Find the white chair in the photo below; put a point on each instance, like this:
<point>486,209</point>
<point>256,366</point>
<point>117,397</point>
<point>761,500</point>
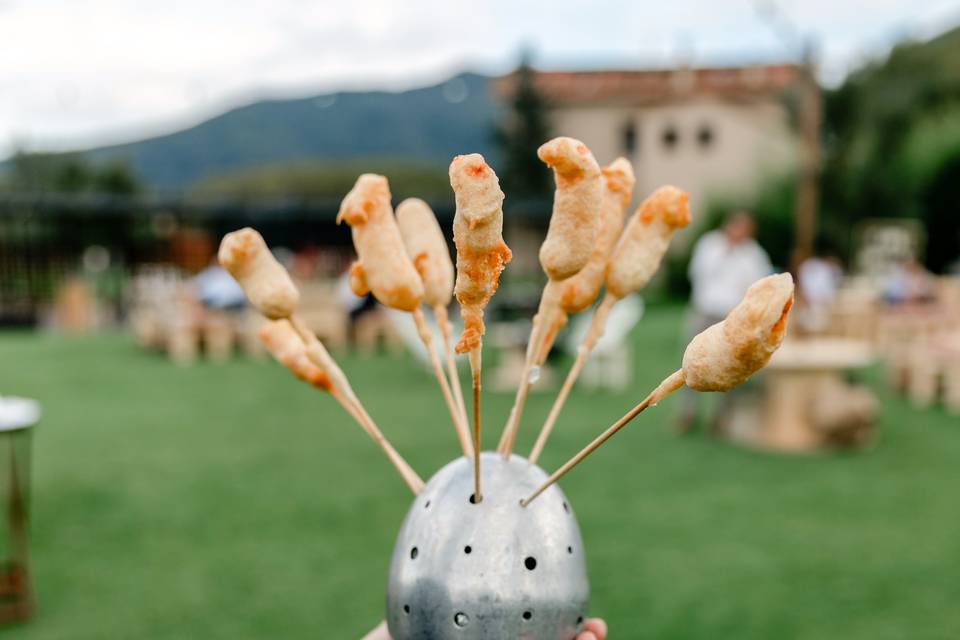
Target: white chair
<point>610,364</point>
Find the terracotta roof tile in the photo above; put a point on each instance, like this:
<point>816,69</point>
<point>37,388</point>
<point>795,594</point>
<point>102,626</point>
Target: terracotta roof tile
<point>642,86</point>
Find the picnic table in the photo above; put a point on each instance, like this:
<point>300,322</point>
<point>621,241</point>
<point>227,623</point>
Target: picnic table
<point>807,403</point>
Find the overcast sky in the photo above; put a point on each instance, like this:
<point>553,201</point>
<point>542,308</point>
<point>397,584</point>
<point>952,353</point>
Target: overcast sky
<point>81,72</point>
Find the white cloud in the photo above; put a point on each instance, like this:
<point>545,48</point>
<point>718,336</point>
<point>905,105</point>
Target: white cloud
<point>74,72</point>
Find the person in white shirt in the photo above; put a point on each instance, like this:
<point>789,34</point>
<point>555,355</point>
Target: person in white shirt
<point>724,264</point>
<point>818,280</point>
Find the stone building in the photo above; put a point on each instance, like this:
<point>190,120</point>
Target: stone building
<point>711,131</point>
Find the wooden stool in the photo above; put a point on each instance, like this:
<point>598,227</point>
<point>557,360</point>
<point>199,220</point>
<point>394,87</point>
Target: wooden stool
<point>808,404</point>
<point>218,335</point>
<point>951,387</point>
<point>923,378</point>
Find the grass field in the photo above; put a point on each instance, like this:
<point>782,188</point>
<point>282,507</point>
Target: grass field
<point>230,502</point>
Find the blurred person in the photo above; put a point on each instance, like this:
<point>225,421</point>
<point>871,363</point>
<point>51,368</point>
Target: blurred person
<point>361,310</point>
<point>909,282</point>
<point>724,264</point>
<point>354,304</point>
<point>216,289</point>
<point>303,263</point>
<point>818,279</point>
<point>593,629</point>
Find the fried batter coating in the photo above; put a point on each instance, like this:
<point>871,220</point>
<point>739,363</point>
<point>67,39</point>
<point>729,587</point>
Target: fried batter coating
<point>267,284</point>
<point>575,220</point>
<point>382,266</point>
<point>283,343</point>
<point>718,359</point>
<point>645,240</point>
<point>576,293</point>
<point>477,233</point>
<point>580,290</point>
<point>726,354</point>
<point>428,250</point>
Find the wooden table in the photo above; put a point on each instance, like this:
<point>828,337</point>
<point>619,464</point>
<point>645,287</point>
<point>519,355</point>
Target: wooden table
<point>807,402</point>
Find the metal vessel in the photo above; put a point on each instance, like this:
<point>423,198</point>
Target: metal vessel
<point>463,569</point>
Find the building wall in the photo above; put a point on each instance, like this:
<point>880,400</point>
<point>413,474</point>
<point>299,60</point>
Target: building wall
<point>718,147</point>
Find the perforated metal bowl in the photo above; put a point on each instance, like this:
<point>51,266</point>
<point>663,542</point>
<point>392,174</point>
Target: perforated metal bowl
<point>462,570</point>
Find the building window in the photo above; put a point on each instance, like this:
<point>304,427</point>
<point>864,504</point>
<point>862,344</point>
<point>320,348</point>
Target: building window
<point>705,136</point>
<point>670,137</point>
<point>629,138</point>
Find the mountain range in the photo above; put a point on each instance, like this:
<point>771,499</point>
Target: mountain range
<point>427,126</point>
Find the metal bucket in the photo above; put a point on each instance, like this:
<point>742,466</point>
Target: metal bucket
<point>18,416</point>
<point>463,570</point>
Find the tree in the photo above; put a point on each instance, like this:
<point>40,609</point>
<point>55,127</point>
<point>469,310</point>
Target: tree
<point>941,202</point>
<point>116,178</point>
<point>524,129</point>
<point>69,173</point>
<point>892,142</point>
<point>317,179</point>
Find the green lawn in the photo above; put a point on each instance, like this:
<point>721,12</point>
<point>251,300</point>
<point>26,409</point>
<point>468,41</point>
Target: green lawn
<point>231,502</point>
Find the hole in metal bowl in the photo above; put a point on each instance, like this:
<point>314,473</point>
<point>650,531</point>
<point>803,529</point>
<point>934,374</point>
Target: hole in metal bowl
<point>527,615</point>
<point>467,549</point>
<point>414,553</point>
<point>427,505</point>
<point>530,563</point>
<point>473,498</point>
<point>566,507</point>
<point>406,609</point>
<point>461,619</point>
<point>579,621</point>
<point>570,550</point>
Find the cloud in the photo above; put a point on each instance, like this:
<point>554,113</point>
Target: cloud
<point>74,72</point>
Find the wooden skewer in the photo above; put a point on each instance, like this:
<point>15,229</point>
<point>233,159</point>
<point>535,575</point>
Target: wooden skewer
<point>366,423</point>
<point>547,427</point>
<point>319,355</point>
<point>440,312</point>
<point>460,425</point>
<point>406,472</point>
<point>344,394</point>
<point>665,388</point>
<point>509,434</point>
<point>505,446</point>
<point>349,407</point>
<point>597,325</point>
<point>548,335</point>
<point>475,375</point>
